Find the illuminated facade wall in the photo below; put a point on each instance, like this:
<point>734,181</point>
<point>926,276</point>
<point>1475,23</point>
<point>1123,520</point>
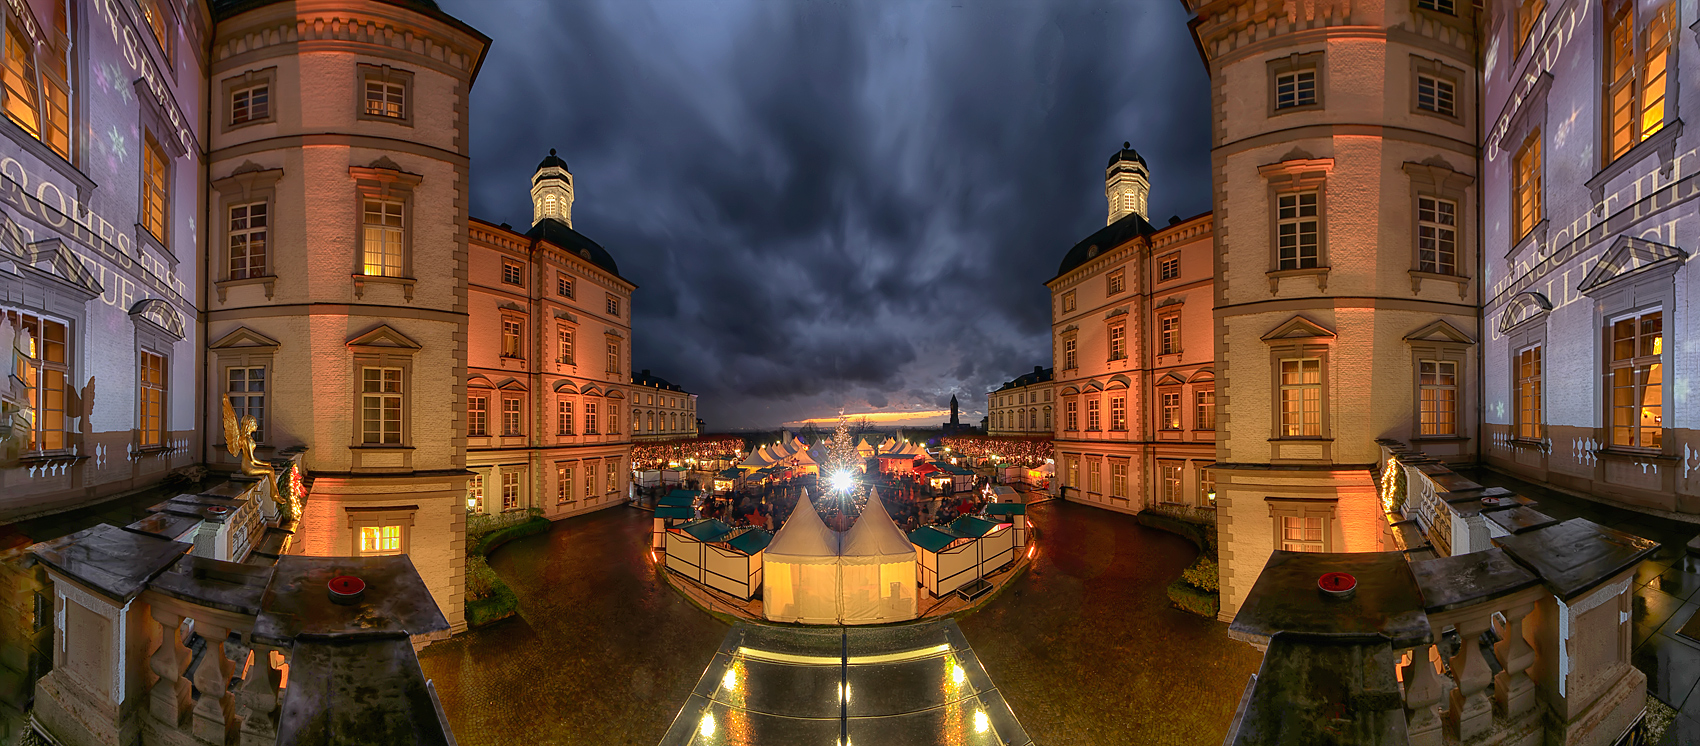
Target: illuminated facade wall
<point>1023,406</point>
<point>1343,137</point>
<point>1588,242</point>
<point>1130,334</point>
<point>568,448</point>
<point>101,161</point>
<point>337,281</point>
<point>661,410</point>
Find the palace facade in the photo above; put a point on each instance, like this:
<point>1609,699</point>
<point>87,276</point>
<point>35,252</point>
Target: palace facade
<point>547,387</point>
<point>662,410</point>
<point>1022,406</point>
<point>1134,382</point>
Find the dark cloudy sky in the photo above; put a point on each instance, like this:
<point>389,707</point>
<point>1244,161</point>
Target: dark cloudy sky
<point>836,204</point>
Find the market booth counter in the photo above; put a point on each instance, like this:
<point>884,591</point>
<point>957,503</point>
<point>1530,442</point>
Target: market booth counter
<point>668,516</point>
<point>966,550</point>
<point>714,554</point>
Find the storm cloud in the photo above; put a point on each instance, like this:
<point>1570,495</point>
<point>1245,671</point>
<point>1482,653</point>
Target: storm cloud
<point>832,204</point>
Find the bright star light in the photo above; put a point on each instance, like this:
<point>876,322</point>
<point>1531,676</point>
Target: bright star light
<point>842,481</point>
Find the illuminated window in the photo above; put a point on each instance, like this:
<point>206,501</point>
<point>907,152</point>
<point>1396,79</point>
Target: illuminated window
<point>551,206</point>
<point>1118,413</point>
<point>386,99</point>
<point>613,472</point>
<point>1204,415</point>
<point>510,489</point>
<point>1437,95</point>
<point>1092,414</point>
<point>1092,483</point>
<point>1301,397</point>
<point>589,479</point>
<point>478,416</point>
<point>563,484</point>
<point>1070,420</point>
<point>151,417</point>
<point>511,416</point>
<point>1169,334</point>
<point>1301,533</point>
<point>1636,71</point>
<point>1118,477</point>
<point>1169,405</point>
<point>1117,281</point>
<point>475,493</point>
<point>1526,186</point>
<point>154,15</point>
<point>613,306</point>
<point>1529,408</point>
<point>384,235</point>
<point>1068,301</point>
<point>248,229</point>
<point>247,389</point>
<point>1206,489</point>
<point>377,541</point>
<point>1169,267</point>
<point>380,406</point>
<point>153,186</point>
<point>613,362</point>
<point>34,70</point>
<point>1169,481</point>
<point>1298,230</point>
<point>1528,11</point>
<point>513,337</point>
<point>564,417</point>
<point>513,273</point>
<point>590,418</point>
<point>43,368</point>
<point>1636,371</point>
<point>250,104</point>
<point>1073,473</point>
<point>1118,342</point>
<point>564,340</point>
<point>1437,385</point>
<point>1068,354</point>
<point>1437,235</point>
<point>1439,6</point>
<point>1293,89</point>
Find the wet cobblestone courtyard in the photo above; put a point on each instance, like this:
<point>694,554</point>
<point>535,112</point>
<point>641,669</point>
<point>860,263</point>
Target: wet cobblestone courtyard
<point>1085,646</point>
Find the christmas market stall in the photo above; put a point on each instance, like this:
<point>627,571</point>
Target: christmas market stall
<point>800,582</point>
<point>877,569</point>
<point>713,554</point>
<point>960,553</point>
<point>668,516</point>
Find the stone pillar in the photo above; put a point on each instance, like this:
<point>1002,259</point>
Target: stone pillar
<point>1423,691</point>
<point>1472,708</point>
<point>215,711</point>
<point>1512,687</point>
<point>259,698</point>
<point>169,699</point>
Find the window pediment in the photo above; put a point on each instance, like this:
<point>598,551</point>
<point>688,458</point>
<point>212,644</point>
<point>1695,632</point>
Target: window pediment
<point>51,257</point>
<point>479,381</point>
<point>1440,331</point>
<point>244,338</point>
<point>566,316</point>
<point>160,314</point>
<point>1069,391</point>
<point>1299,328</point>
<point>385,338</point>
<point>1630,257</point>
<point>1203,375</point>
<point>1170,379</point>
<point>1121,311</point>
<point>1119,381</point>
<point>1525,307</point>
<point>1092,387</point>
<point>510,384</point>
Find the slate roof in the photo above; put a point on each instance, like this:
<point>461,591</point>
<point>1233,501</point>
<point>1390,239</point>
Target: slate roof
<point>573,242</point>
<point>1127,153</point>
<point>551,160</point>
<point>1027,379</point>
<point>655,382</point>
<point>1126,228</point>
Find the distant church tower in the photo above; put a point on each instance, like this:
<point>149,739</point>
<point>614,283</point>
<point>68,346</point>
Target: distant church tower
<point>552,191</point>
<point>953,421</point>
<point>1127,183</point>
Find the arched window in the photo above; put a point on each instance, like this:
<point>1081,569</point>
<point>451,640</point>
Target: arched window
<point>551,206</point>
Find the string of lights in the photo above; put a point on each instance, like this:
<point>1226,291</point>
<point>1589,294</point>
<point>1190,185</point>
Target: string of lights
<point>656,455</point>
<point>1029,452</point>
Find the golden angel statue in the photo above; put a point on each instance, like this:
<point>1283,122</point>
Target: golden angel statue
<point>239,440</point>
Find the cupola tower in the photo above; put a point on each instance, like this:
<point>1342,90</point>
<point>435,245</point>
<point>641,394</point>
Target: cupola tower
<point>1127,183</point>
<point>552,191</point>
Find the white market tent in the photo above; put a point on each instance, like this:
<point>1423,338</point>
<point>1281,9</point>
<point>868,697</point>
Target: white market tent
<point>813,575</point>
<point>878,575</point>
<point>801,569</point>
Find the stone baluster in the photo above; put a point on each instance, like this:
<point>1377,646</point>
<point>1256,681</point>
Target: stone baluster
<point>259,698</point>
<point>1423,692</point>
<point>215,711</point>
<point>1512,687</point>
<point>1471,708</point>
<point>169,698</point>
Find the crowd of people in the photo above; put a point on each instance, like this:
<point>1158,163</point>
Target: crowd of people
<point>702,450</point>
<point>1029,452</point>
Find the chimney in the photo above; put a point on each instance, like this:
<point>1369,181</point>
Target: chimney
<point>1038,369</point>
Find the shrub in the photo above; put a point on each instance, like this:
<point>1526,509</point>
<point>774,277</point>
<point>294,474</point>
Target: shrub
<point>481,581</point>
<point>1202,575</point>
<point>500,605</point>
<point>1190,599</point>
<point>487,542</point>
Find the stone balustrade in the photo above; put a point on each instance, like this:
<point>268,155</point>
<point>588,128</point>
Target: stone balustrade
<point>1522,642</point>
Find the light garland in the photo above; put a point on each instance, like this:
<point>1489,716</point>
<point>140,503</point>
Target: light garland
<point>1028,452</point>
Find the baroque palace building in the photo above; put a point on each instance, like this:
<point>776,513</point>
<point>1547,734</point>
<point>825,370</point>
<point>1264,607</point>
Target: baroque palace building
<point>547,390</point>
<point>1134,382</point>
<point>662,412</point>
<point>263,199</point>
<point>1022,406</point>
